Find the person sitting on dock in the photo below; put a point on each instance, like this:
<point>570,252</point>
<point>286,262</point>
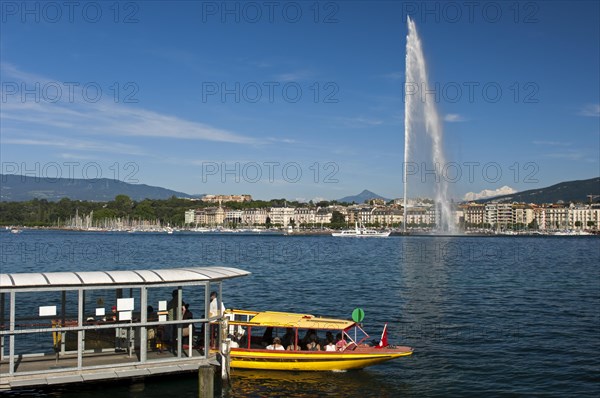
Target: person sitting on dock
<point>151,330</point>
<point>276,345</point>
<point>187,314</point>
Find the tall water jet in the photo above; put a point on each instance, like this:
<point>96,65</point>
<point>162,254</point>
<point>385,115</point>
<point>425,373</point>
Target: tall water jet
<point>421,110</point>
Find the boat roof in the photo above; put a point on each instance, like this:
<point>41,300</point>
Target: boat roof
<point>122,277</point>
<point>302,321</point>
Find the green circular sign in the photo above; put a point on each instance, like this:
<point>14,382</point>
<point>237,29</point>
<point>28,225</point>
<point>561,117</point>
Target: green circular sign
<point>358,315</point>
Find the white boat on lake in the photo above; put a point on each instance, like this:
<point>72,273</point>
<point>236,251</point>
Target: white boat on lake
<point>361,232</point>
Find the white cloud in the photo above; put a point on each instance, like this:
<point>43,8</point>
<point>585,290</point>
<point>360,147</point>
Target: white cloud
<point>76,144</point>
<point>294,76</point>
<point>454,117</point>
<point>397,75</point>
<point>592,110</point>
<point>359,122</point>
<point>570,155</point>
<point>489,193</point>
<point>552,143</point>
<point>102,118</point>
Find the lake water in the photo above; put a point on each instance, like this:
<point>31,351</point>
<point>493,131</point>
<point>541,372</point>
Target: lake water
<point>485,315</point>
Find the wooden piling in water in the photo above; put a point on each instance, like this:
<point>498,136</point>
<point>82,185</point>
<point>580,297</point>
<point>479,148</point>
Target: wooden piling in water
<point>206,379</point>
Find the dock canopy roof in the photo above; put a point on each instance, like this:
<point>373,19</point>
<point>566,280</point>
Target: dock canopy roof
<point>124,277</point>
<point>302,321</point>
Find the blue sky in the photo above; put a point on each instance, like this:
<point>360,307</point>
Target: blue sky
<point>300,100</point>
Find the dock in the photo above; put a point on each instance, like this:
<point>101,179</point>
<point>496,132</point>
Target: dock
<point>101,326</point>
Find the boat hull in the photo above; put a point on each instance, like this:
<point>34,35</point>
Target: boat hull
<point>314,361</point>
<point>376,235</point>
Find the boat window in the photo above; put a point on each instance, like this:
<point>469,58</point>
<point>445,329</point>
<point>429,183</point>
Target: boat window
<point>261,336</point>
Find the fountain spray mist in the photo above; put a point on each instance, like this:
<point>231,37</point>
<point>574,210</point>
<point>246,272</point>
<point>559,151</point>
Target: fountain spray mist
<point>419,110</point>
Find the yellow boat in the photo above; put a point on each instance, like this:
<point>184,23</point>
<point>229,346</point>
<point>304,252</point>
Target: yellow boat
<point>252,332</point>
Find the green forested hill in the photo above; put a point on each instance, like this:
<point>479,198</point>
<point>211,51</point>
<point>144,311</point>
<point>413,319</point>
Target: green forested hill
<point>568,191</point>
<point>17,188</point>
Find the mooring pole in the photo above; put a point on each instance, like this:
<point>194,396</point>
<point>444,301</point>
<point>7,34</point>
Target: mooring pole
<point>225,350</point>
<point>206,381</point>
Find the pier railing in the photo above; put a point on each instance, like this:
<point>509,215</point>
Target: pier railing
<point>74,334</point>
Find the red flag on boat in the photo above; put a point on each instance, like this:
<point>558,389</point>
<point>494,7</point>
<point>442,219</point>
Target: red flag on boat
<point>383,342</point>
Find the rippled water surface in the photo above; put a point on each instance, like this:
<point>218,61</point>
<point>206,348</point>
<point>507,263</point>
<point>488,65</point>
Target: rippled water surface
<point>486,316</point>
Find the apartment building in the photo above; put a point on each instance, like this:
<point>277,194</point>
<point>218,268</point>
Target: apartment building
<point>282,215</point>
<point>226,198</point>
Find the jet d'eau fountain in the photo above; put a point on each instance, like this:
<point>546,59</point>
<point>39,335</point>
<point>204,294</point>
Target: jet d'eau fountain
<point>421,120</point>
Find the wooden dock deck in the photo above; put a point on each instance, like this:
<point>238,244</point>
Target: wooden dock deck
<point>49,372</point>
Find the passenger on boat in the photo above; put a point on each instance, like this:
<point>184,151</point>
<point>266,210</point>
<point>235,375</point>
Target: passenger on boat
<point>330,345</point>
<point>233,343</point>
<point>276,345</point>
<point>306,339</point>
<point>288,338</point>
<point>340,343</point>
<point>313,345</point>
<point>267,337</point>
<point>242,339</point>
<point>293,347</point>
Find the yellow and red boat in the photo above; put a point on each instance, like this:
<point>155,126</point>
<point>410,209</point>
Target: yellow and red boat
<point>251,332</point>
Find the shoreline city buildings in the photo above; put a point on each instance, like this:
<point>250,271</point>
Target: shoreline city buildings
<point>421,213</point>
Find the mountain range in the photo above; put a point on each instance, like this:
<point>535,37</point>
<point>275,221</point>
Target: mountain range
<point>568,191</point>
<point>17,188</point>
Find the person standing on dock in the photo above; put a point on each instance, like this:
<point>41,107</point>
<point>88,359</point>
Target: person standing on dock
<point>214,305</point>
<point>214,311</point>
<point>172,311</point>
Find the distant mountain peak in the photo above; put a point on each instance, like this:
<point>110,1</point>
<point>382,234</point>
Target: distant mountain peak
<point>361,197</point>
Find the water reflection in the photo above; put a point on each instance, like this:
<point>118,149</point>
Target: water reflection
<point>365,383</point>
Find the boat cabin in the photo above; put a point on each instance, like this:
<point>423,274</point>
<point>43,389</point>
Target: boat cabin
<point>256,330</point>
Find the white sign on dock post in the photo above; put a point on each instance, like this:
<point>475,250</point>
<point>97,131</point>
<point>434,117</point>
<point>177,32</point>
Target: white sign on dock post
<point>125,315</point>
<point>125,304</point>
<point>162,311</point>
<point>48,310</point>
